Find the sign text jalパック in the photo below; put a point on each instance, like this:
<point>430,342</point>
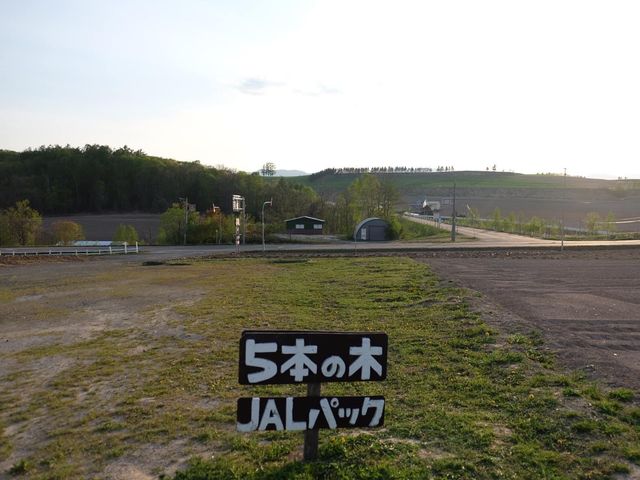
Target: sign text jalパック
<point>276,357</point>
<point>309,413</point>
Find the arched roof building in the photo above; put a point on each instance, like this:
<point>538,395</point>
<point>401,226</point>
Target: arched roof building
<point>372,229</point>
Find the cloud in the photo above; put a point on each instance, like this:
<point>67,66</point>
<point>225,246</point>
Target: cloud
<point>319,90</point>
<point>257,86</point>
<point>260,86</point>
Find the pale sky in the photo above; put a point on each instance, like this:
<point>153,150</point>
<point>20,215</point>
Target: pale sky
<point>531,86</point>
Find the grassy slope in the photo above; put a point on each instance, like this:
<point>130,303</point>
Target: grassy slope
<point>331,184</point>
<point>462,400</point>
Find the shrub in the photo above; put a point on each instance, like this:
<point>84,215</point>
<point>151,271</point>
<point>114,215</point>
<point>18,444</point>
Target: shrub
<point>126,233</point>
<point>66,231</point>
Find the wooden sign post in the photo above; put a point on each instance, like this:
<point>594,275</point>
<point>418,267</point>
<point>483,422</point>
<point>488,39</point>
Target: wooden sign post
<point>294,357</point>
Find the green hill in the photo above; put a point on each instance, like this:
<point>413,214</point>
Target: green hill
<point>330,184</point>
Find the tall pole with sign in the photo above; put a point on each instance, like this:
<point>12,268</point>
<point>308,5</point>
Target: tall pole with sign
<point>238,209</point>
<point>303,357</point>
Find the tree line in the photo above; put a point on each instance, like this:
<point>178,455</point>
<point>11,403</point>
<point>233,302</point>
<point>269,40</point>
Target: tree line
<point>95,178</point>
<point>378,170</point>
<point>535,226</point>
<point>21,225</point>
<point>366,197</point>
<point>61,180</point>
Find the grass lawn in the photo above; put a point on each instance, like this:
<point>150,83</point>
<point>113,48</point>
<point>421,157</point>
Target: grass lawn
<point>414,231</point>
<point>463,401</point>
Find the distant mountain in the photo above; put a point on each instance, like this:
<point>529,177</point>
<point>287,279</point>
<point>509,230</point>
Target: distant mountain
<point>290,173</point>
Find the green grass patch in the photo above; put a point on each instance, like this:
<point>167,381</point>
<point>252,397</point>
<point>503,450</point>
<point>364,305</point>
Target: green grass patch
<point>7,295</point>
<point>418,231</point>
<point>621,394</point>
<point>5,446</point>
<point>459,403</point>
<point>420,182</point>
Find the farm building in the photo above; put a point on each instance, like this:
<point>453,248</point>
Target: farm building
<point>305,226</point>
<point>371,230</point>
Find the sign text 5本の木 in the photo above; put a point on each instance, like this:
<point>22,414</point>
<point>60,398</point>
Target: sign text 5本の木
<point>270,357</point>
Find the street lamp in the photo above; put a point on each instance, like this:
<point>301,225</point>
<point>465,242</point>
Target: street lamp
<point>270,202</point>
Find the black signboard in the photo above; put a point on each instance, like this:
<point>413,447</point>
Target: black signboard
<point>277,357</point>
<point>309,413</point>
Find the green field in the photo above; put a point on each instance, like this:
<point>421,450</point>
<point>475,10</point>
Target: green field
<point>331,184</point>
<point>463,401</point>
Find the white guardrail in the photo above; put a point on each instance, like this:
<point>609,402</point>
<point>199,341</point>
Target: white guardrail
<point>77,250</point>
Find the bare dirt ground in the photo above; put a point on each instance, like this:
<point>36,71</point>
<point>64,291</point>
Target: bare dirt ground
<point>586,304</point>
<point>47,308</point>
<point>575,211</point>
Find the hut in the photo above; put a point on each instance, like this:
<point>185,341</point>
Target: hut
<point>371,230</point>
<point>305,226</point>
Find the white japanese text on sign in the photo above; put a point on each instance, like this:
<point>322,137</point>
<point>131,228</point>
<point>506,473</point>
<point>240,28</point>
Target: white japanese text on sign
<point>302,357</point>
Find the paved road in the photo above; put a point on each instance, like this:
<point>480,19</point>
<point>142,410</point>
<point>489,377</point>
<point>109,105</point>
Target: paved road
<point>469,238</point>
<point>488,238</point>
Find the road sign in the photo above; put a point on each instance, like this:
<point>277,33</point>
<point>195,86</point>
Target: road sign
<point>237,203</point>
<point>274,356</point>
<point>278,357</point>
<point>309,413</point>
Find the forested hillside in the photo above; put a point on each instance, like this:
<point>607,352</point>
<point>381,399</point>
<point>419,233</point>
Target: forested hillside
<point>62,180</point>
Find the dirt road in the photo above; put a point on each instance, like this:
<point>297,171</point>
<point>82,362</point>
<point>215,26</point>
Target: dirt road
<point>586,304</point>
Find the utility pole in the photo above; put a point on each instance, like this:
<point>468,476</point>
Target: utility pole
<point>186,219</point>
<point>564,192</point>
<point>453,215</point>
<point>244,221</point>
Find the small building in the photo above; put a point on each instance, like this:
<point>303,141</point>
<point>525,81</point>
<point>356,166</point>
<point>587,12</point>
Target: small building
<point>371,230</point>
<point>430,207</point>
<point>305,226</point>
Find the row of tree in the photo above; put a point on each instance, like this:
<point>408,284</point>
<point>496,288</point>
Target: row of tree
<point>366,197</point>
<point>378,170</point>
<point>536,226</point>
<point>21,225</point>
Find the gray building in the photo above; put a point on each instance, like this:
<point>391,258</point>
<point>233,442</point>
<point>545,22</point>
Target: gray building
<point>305,226</point>
<point>371,230</point>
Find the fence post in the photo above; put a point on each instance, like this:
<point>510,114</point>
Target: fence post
<point>110,250</point>
<point>125,248</point>
<point>137,249</point>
